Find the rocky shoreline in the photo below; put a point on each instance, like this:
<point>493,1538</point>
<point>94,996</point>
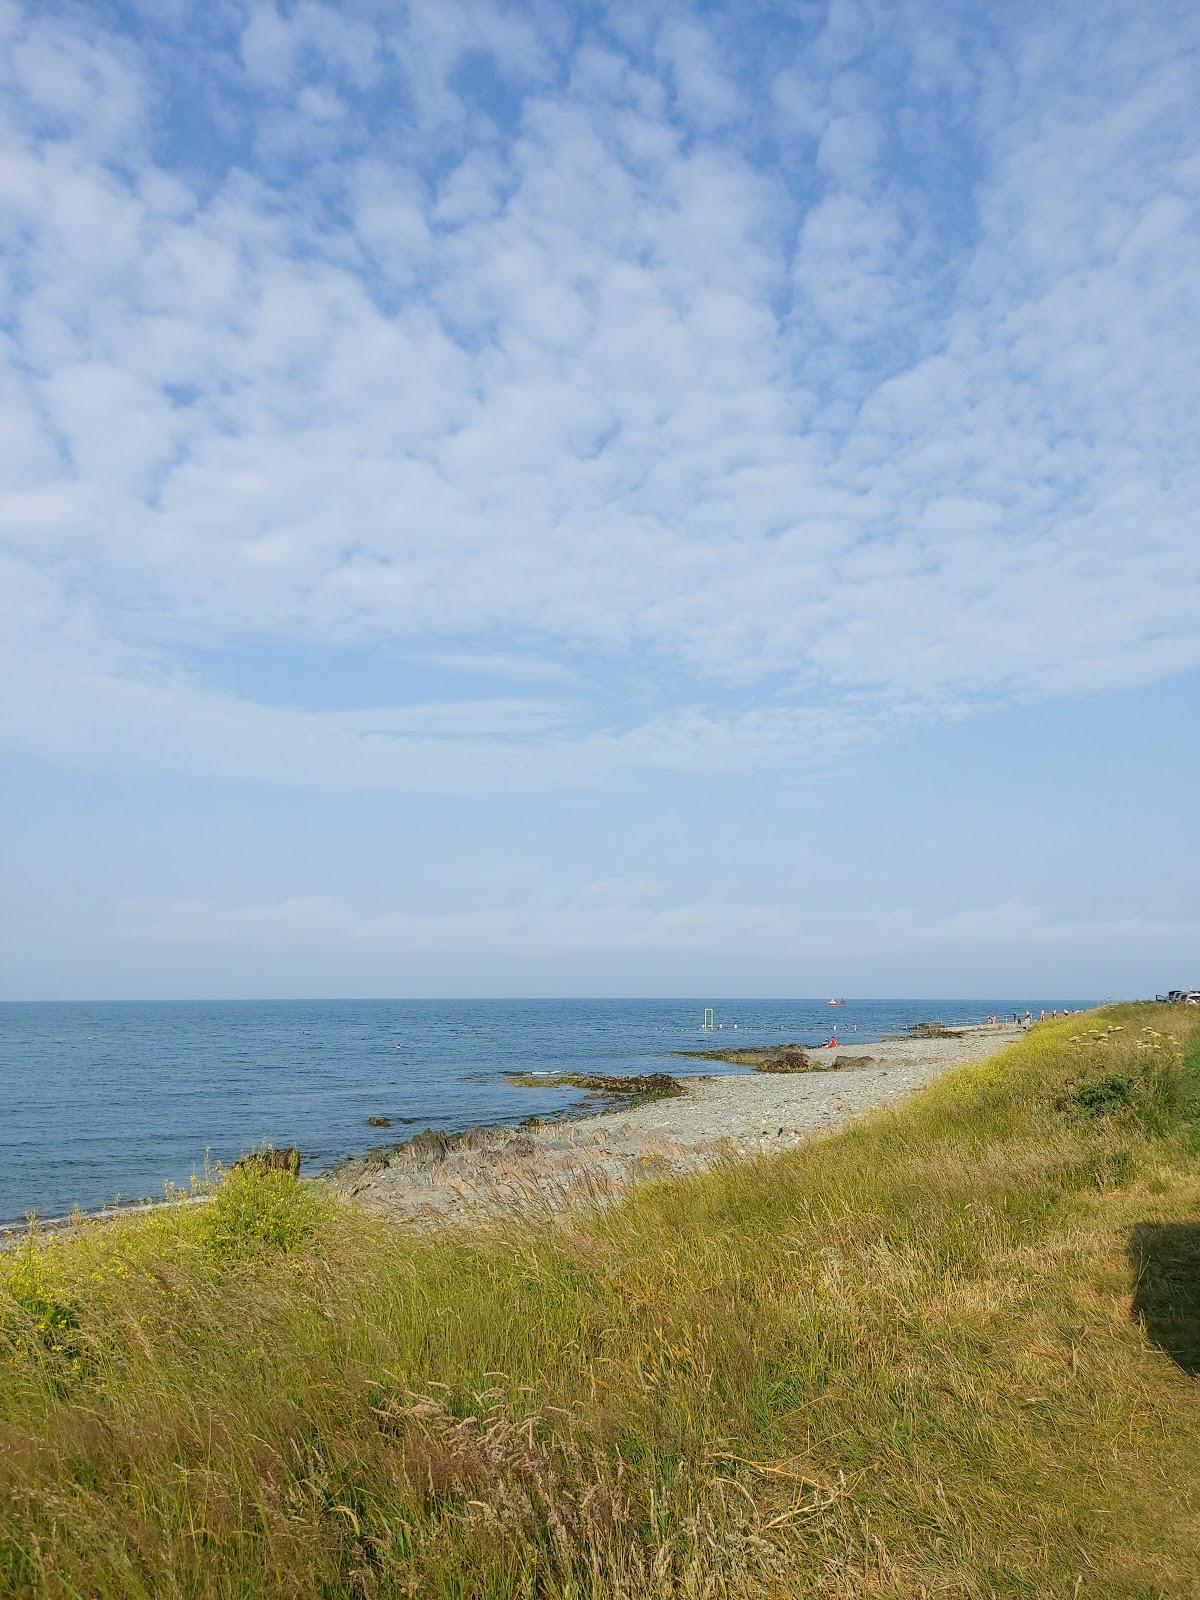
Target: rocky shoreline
<point>660,1127</point>
<point>550,1167</point>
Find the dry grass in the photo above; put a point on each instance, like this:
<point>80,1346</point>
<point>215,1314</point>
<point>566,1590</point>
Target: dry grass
<point>910,1359</point>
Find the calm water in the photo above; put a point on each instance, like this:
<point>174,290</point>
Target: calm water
<point>98,1100</point>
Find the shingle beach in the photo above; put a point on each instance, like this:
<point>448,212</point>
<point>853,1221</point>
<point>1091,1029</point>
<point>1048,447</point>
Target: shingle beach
<point>555,1165</point>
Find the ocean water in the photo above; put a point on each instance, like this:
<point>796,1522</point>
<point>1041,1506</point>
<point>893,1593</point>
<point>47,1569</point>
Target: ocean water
<point>117,1099</point>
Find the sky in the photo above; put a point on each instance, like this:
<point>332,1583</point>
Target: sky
<point>630,499</point>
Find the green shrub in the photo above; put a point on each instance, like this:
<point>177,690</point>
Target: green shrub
<point>1109,1094</point>
<point>39,1316</point>
<point>1155,1086</point>
<point>35,1303</point>
<point>254,1210</point>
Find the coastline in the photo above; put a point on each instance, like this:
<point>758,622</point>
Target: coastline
<point>105,1106</point>
<point>553,1166</point>
<point>584,1156</point>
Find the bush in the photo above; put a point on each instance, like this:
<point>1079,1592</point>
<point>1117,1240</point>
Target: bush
<point>1155,1086</point>
<point>255,1210</point>
<point>33,1304</point>
<point>1109,1094</point>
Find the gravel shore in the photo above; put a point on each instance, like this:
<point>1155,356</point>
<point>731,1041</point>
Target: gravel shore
<point>438,1178</point>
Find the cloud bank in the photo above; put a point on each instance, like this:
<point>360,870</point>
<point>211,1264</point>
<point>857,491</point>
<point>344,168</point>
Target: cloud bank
<point>633,938</point>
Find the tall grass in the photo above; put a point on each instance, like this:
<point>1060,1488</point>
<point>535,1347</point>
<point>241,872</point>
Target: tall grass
<point>900,1361</point>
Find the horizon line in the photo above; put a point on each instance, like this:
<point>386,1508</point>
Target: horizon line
<point>513,999</point>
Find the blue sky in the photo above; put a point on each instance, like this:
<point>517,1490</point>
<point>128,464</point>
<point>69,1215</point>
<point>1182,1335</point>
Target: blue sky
<point>630,499</point>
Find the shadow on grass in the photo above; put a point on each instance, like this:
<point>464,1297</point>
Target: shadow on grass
<point>1165,1258</point>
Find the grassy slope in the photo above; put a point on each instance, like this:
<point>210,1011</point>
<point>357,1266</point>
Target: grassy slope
<point>898,1362</point>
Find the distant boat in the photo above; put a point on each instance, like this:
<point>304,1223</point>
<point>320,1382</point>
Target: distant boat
<point>835,1002</point>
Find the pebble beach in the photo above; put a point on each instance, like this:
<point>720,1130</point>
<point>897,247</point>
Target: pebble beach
<point>554,1166</point>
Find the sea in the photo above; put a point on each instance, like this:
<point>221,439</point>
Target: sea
<point>107,1102</point>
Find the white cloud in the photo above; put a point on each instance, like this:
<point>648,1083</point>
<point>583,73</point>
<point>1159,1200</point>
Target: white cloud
<point>268,45</point>
<point>606,382</point>
<point>704,93</point>
<point>849,149</point>
<point>321,104</point>
<point>848,263</point>
<point>275,47</point>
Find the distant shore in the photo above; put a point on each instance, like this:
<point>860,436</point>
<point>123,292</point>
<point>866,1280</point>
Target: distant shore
<point>555,1165</point>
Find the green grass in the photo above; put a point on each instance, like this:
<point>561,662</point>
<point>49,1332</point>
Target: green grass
<point>948,1352</point>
